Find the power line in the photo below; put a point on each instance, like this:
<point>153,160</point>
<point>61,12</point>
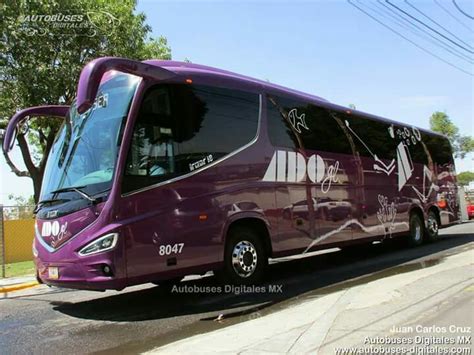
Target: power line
<point>461,11</point>
<point>442,44</point>
<point>409,40</point>
<point>392,15</point>
<point>435,22</point>
<point>454,17</point>
<point>427,26</point>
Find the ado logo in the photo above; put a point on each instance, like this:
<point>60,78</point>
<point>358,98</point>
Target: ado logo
<point>292,167</point>
<point>55,230</point>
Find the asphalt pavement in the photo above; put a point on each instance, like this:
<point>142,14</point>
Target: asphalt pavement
<point>145,318</point>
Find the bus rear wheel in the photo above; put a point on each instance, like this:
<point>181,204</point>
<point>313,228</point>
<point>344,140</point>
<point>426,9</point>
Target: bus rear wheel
<point>245,259</point>
<point>432,228</point>
<point>417,230</point>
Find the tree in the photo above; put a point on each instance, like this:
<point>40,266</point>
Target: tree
<point>43,47</point>
<point>441,123</point>
<point>22,208</point>
<point>465,178</point>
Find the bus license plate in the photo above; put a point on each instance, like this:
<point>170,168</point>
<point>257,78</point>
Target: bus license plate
<point>53,273</point>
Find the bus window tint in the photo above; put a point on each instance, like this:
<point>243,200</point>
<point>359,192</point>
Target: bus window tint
<point>296,124</point>
<point>182,128</point>
<point>279,129</point>
<point>371,138</point>
<point>439,148</point>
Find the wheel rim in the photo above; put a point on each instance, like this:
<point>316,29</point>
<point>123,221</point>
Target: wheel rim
<point>244,258</point>
<point>432,225</point>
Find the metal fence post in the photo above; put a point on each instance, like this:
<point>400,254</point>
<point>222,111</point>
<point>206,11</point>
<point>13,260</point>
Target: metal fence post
<point>2,242</point>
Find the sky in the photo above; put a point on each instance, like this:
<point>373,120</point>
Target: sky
<point>325,48</point>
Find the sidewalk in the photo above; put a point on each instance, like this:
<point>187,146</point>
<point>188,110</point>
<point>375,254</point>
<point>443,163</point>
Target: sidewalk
<point>11,284</point>
<point>348,318</point>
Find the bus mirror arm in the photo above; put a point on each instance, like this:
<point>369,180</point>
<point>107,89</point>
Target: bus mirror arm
<point>19,117</point>
<point>92,73</point>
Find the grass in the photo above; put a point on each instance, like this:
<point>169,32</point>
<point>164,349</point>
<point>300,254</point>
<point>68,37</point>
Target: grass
<point>21,268</point>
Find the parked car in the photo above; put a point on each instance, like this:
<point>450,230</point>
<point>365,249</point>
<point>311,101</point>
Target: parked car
<point>326,208</point>
<point>470,204</point>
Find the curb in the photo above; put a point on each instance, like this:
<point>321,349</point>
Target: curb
<point>17,287</point>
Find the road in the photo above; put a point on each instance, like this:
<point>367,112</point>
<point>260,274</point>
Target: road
<point>44,320</point>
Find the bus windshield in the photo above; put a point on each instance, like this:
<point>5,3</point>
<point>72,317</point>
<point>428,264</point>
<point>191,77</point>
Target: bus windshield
<point>85,151</point>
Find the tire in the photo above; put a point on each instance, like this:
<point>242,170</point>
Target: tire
<point>245,259</point>
<point>432,228</point>
<point>417,230</point>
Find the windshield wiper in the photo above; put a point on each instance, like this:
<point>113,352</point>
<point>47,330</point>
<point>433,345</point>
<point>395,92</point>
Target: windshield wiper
<point>43,202</point>
<point>77,190</point>
<point>70,189</point>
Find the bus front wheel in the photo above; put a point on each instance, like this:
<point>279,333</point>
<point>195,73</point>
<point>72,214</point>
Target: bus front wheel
<point>245,259</point>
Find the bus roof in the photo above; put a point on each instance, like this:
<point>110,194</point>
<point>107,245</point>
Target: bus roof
<point>186,68</point>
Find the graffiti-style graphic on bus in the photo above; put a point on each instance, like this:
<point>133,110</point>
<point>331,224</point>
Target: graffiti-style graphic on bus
<point>379,229</point>
<point>379,165</point>
<point>409,136</point>
<point>428,185</point>
<point>386,214</point>
<point>297,121</point>
<point>404,164</point>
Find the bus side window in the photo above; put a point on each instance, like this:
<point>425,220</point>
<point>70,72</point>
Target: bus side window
<point>371,138</point>
<point>439,149</point>
<point>152,137</point>
<point>181,129</point>
<point>326,132</point>
<point>298,124</point>
<point>280,132</point>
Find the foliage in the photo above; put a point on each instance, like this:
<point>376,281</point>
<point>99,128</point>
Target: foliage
<point>441,123</point>
<point>465,178</point>
<point>40,60</point>
<point>22,208</point>
<point>22,201</point>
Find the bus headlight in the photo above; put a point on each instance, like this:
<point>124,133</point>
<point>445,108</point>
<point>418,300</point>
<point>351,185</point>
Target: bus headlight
<point>100,245</point>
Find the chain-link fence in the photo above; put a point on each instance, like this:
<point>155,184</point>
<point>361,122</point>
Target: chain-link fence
<point>16,238</point>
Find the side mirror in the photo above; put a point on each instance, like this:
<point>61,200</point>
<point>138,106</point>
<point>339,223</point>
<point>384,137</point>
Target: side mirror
<point>24,127</point>
<point>20,119</point>
<point>15,133</point>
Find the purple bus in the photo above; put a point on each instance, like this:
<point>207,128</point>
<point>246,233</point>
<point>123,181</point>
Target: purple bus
<point>163,169</point>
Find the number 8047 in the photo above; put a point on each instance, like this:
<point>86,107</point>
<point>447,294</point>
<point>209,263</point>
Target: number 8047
<point>169,249</point>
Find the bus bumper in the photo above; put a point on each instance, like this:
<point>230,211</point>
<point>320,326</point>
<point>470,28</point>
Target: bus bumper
<point>96,275</point>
